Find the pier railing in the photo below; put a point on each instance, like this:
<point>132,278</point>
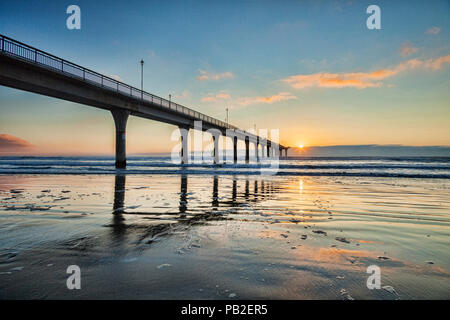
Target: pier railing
<point>42,58</point>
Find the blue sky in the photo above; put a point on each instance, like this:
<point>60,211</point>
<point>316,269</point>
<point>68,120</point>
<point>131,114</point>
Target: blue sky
<point>210,55</point>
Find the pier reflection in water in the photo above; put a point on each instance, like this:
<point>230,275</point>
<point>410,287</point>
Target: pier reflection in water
<point>221,203</point>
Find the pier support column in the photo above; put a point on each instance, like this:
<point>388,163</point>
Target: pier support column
<point>216,148</point>
<point>247,150</point>
<point>184,134</point>
<point>120,120</point>
<point>268,151</point>
<point>235,149</point>
<point>256,150</point>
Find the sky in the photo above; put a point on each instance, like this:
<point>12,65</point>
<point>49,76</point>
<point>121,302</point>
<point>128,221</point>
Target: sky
<point>311,69</point>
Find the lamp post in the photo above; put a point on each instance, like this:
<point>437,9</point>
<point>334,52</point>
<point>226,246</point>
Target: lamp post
<point>170,100</point>
<point>142,78</point>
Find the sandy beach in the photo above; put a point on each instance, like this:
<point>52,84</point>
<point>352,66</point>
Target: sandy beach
<point>223,237</point>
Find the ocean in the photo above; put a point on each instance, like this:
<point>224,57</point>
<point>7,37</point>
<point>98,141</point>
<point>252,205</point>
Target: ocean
<point>405,167</point>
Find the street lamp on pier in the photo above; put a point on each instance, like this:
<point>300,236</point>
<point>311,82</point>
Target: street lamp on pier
<point>142,78</point>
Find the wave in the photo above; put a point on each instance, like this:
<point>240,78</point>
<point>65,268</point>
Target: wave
<point>218,171</point>
<point>48,164</point>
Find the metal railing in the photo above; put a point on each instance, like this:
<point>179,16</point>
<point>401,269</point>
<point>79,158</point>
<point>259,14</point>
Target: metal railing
<point>31,54</point>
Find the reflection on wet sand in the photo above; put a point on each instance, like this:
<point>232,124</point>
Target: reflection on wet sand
<point>215,197</point>
<point>119,222</point>
<point>183,195</point>
<point>160,227</point>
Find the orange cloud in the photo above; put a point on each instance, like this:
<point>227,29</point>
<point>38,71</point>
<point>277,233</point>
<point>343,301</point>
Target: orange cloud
<point>436,64</point>
<point>10,144</point>
<point>282,96</point>
<point>245,101</point>
<point>205,75</point>
<point>407,49</point>
<point>361,80</point>
<point>217,97</point>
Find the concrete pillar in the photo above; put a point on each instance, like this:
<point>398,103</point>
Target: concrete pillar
<point>268,150</point>
<point>247,150</point>
<point>120,120</point>
<point>256,150</point>
<point>216,148</point>
<point>234,149</point>
<point>184,134</point>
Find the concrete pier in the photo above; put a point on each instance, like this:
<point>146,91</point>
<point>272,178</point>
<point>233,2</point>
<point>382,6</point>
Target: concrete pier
<point>216,148</point>
<point>120,120</point>
<point>26,68</point>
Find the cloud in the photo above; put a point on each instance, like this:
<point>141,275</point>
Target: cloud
<point>361,80</point>
<point>206,76</point>
<point>115,77</point>
<point>184,95</point>
<point>433,30</point>
<point>282,96</point>
<point>436,64</point>
<point>11,144</point>
<point>245,101</point>
<point>407,49</point>
<point>217,97</point>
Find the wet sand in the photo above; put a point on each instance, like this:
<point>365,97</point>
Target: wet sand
<point>223,237</point>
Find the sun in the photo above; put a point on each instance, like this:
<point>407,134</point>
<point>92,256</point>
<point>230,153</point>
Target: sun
<point>300,146</point>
